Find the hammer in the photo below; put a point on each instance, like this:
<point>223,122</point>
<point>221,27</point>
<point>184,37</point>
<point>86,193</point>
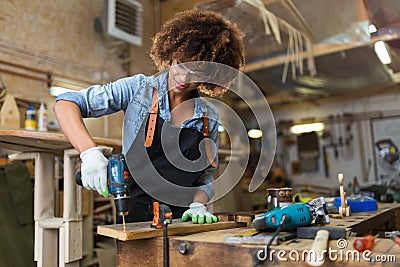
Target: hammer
<point>321,235</point>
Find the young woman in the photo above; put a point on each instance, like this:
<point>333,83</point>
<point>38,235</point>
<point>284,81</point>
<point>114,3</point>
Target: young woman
<point>167,104</point>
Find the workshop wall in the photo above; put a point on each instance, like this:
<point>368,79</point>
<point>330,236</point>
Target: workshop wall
<point>58,38</point>
<point>355,159</point>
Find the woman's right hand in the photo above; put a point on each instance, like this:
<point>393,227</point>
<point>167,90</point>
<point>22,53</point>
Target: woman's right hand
<point>94,170</point>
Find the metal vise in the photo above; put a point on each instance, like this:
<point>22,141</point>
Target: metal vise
<point>319,211</point>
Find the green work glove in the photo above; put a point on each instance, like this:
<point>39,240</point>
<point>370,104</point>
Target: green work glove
<point>199,214</point>
<point>94,170</point>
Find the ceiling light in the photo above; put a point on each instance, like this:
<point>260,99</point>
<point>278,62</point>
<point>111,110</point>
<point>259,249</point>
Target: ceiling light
<point>254,133</point>
<point>306,128</point>
<point>311,91</point>
<point>312,81</point>
<point>382,52</point>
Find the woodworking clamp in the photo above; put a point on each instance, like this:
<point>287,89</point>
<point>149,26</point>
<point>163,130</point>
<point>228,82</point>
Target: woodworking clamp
<point>162,216</point>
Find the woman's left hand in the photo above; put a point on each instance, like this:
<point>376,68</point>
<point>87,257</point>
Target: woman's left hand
<point>199,214</point>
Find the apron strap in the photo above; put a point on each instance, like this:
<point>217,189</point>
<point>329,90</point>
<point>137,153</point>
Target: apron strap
<point>152,120</point>
<point>152,126</point>
<point>207,140</point>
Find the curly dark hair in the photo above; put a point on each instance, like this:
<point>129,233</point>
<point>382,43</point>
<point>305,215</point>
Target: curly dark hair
<point>199,36</point>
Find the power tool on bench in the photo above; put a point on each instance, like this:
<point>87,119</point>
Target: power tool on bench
<point>296,215</point>
<point>119,181</point>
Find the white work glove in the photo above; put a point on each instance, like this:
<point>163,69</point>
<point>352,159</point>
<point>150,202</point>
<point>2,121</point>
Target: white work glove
<point>94,170</point>
<point>199,214</point>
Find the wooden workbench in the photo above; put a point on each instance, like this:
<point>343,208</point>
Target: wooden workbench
<point>33,141</point>
<point>207,248</point>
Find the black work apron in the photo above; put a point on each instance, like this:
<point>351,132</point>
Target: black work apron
<point>189,142</point>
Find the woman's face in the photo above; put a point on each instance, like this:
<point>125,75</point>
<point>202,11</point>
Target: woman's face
<point>181,79</point>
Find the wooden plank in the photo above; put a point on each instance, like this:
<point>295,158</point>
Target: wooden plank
<point>46,141</point>
<point>142,230</point>
<point>381,246</point>
<point>364,222</point>
<point>395,250</point>
<point>147,252</point>
<point>216,236</point>
<point>212,254</point>
<point>243,217</point>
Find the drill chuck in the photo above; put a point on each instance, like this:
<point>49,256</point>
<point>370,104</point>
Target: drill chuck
<point>121,200</point>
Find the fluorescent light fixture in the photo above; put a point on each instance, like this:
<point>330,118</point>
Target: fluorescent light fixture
<point>310,91</point>
<point>58,86</point>
<point>382,52</point>
<point>306,128</point>
<point>372,28</point>
<point>254,133</point>
<point>312,81</point>
<point>57,90</point>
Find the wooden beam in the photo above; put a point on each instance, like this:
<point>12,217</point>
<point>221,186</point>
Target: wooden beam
<point>318,50</point>
<point>288,4</point>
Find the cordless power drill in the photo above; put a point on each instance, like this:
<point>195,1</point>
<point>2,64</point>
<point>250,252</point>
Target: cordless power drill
<point>119,181</point>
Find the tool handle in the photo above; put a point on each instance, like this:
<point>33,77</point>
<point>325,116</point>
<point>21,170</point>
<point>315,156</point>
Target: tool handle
<point>316,255</point>
<point>364,243</point>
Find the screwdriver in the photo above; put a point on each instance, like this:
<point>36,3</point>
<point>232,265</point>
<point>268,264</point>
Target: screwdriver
<point>364,243</point>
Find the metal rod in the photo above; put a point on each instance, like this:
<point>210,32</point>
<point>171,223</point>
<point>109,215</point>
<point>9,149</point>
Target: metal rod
<point>165,252</point>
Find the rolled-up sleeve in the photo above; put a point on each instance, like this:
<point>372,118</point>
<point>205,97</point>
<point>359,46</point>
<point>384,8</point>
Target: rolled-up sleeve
<point>75,97</point>
<point>99,100</point>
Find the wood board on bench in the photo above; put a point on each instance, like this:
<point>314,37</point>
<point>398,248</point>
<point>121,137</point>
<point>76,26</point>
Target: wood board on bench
<point>142,230</point>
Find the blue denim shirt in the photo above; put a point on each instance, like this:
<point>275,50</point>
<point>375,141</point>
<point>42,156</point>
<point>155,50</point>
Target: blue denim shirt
<point>133,95</point>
